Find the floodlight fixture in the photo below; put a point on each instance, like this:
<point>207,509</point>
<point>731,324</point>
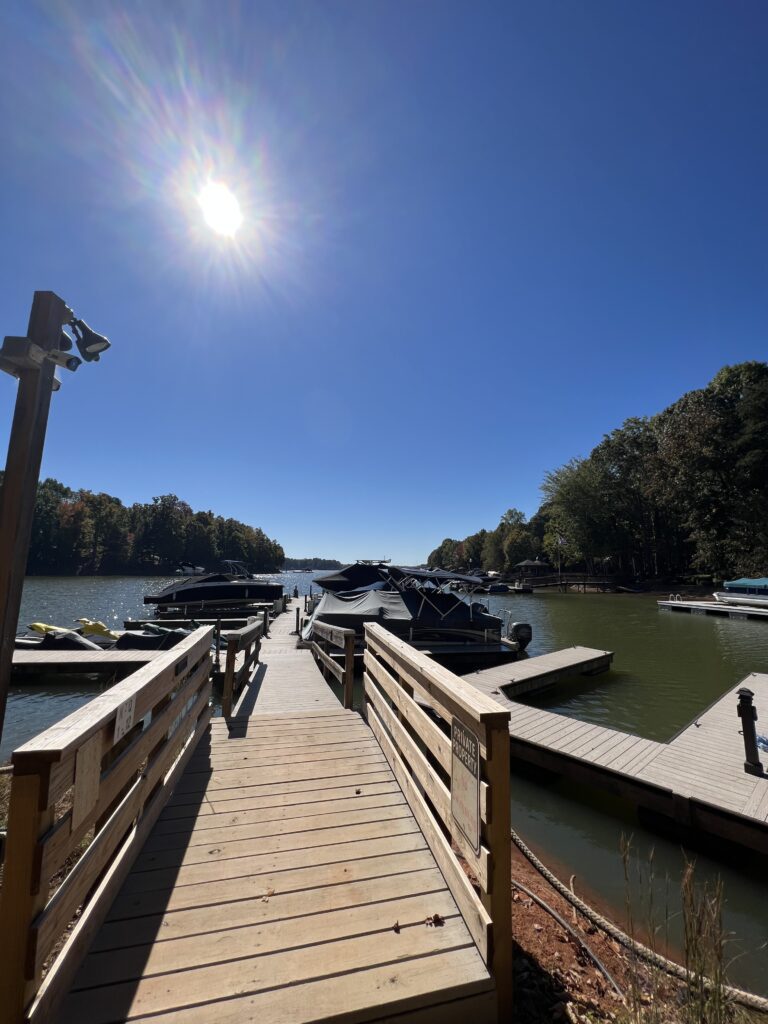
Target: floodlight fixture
<point>89,344</point>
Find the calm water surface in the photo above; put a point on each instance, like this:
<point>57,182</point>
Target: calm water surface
<point>668,667</point>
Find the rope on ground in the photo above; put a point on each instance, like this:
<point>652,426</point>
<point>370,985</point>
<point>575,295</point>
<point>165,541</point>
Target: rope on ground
<point>650,956</point>
<point>572,932</point>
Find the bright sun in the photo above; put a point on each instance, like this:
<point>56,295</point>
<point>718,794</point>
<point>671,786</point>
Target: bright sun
<point>221,209</point>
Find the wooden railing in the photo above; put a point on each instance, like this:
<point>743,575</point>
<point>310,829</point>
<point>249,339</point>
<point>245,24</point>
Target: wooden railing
<point>237,669</point>
<point>333,636</point>
<point>456,782</point>
<point>104,772</point>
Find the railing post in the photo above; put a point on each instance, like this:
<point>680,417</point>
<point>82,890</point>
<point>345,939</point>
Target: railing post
<point>266,622</point>
<point>298,633</point>
<point>229,677</point>
<point>747,712</point>
<point>24,894</point>
<point>498,899</point>
<point>349,669</point>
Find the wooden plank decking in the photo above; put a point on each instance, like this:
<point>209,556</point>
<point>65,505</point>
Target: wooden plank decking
<point>286,880</point>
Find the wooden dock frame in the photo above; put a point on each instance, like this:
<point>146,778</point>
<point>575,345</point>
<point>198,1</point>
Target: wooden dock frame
<point>288,835</point>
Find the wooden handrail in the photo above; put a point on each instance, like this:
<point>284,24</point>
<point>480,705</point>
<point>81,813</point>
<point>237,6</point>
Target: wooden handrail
<point>108,769</point>
<point>245,641</point>
<point>340,638</point>
<point>456,781</point>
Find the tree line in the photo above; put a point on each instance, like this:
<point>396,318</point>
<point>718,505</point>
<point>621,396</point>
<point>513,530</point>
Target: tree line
<point>679,493</point>
<point>76,532</point>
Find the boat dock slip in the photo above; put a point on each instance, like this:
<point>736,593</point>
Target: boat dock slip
<point>729,611</point>
<point>531,675</point>
<point>697,778</point>
<point>35,663</point>
<point>279,865</point>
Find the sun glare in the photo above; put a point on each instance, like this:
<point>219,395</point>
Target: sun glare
<point>221,209</point>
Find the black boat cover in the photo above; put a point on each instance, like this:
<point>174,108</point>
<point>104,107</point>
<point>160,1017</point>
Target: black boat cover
<point>361,575</point>
<point>399,611</point>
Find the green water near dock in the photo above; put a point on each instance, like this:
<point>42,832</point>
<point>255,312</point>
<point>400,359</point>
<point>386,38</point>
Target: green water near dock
<point>668,667</point>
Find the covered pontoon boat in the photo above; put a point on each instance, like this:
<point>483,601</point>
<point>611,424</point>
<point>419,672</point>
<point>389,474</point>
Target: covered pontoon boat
<point>417,605</point>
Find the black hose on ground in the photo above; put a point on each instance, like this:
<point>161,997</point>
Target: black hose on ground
<point>573,933</point>
<point>649,956</point>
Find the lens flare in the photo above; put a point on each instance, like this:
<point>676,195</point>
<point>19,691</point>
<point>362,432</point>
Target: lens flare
<point>221,210</point>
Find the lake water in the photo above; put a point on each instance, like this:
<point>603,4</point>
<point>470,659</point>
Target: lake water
<point>668,667</point>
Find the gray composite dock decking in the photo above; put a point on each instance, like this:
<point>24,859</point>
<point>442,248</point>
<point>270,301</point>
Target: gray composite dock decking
<point>697,778</point>
<point>530,675</point>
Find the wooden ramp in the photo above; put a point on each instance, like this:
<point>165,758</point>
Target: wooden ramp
<point>530,675</point>
<point>286,880</point>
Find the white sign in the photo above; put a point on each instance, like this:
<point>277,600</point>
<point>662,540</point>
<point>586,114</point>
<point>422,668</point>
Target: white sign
<point>465,782</point>
<point>124,719</point>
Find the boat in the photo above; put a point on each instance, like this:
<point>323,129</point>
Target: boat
<point>417,605</point>
<point>744,592</point>
<point>223,591</point>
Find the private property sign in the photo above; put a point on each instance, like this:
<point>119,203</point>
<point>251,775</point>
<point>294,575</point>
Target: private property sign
<point>465,782</point>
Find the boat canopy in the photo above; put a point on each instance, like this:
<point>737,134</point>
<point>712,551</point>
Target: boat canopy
<point>399,610</point>
<point>363,575</point>
<point>745,585</point>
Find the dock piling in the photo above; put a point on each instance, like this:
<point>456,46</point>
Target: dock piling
<point>747,712</point>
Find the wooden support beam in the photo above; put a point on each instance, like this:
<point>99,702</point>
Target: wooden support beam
<point>22,469</point>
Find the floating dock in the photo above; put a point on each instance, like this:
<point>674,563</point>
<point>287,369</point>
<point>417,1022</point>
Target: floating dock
<point>696,779</point>
<point>728,611</point>
<point>293,872</point>
<point>531,675</point>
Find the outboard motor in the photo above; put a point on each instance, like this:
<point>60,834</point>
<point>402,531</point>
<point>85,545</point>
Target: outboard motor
<point>521,632</point>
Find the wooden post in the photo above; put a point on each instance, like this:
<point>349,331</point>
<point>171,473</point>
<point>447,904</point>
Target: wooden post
<point>297,621</point>
<point>349,669</point>
<point>23,900</point>
<point>22,469</point>
<point>498,899</point>
<point>266,622</point>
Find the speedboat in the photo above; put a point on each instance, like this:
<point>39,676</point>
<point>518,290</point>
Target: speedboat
<point>214,591</point>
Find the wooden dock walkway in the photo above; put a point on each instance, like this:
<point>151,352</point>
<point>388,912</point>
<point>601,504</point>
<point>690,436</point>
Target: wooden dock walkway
<point>531,675</point>
<point>697,778</point>
<point>291,876</point>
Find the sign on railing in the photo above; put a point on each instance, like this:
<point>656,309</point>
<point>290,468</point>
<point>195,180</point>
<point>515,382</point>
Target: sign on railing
<point>465,783</point>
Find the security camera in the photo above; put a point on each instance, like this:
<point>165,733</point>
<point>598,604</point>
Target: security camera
<point>64,359</point>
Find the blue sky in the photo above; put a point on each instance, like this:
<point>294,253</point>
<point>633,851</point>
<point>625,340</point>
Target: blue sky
<point>476,237</point>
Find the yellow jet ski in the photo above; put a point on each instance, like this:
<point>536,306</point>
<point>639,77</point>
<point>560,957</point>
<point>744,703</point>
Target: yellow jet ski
<point>97,628</point>
<point>46,627</point>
